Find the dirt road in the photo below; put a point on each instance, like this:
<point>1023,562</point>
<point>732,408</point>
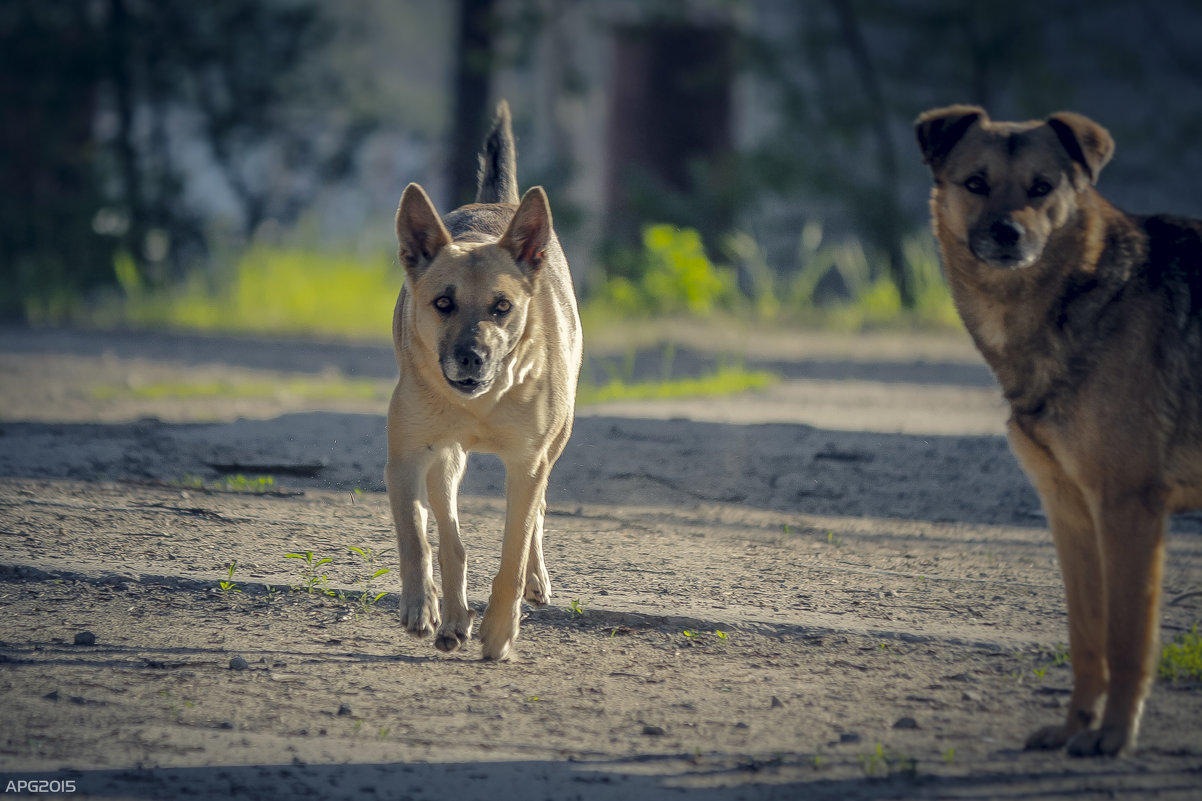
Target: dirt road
<point>839,588</point>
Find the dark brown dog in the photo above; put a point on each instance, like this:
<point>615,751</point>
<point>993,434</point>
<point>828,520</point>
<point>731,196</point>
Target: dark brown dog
<point>1091,319</point>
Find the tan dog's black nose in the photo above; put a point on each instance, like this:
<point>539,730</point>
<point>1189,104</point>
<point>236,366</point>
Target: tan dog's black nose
<point>469,359</point>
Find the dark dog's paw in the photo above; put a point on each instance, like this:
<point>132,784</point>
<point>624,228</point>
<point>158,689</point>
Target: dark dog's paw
<point>1047,738</point>
<point>419,612</point>
<point>1106,741</point>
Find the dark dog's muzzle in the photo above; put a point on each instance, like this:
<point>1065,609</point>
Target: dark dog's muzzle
<point>1002,242</point>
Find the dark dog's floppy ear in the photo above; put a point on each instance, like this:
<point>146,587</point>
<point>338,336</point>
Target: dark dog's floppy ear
<point>1088,143</point>
<point>529,232</point>
<point>419,230</point>
<point>939,130</point>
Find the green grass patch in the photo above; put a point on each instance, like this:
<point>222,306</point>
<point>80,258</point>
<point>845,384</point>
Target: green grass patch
<point>722,382</point>
<point>268,290</point>
<point>1182,658</point>
<point>254,485</point>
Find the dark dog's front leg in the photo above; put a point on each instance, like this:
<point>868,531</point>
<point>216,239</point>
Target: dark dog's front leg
<point>1131,533</point>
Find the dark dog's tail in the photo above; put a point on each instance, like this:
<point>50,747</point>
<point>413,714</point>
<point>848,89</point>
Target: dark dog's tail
<point>499,162</point>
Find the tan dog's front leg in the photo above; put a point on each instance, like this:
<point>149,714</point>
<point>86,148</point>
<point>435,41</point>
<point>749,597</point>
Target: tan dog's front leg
<point>1131,531</point>
<point>443,487</point>
<point>405,478</point>
<point>525,492</point>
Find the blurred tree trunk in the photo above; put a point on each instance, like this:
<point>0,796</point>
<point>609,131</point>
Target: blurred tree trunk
<point>473,78</point>
<point>48,248</point>
<point>886,221</point>
<point>670,138</point>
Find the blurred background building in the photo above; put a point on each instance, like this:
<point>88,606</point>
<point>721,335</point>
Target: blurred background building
<point>162,136</point>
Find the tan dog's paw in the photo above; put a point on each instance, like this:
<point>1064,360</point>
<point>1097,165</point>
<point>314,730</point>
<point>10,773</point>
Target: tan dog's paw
<point>419,611</point>
<point>1048,738</point>
<point>538,588</point>
<point>1106,741</point>
<point>455,631</point>
<point>497,633</point>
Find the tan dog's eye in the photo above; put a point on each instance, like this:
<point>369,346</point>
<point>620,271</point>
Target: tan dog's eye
<point>977,185</point>
<point>1040,189</point>
<point>444,304</point>
<point>502,307</point>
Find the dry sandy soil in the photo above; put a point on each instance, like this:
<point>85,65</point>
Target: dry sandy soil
<point>839,588</point>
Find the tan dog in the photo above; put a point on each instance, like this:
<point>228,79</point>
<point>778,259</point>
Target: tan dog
<point>488,346</point>
<point>1091,319</point>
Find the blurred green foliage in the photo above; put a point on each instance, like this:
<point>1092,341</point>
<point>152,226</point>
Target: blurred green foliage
<point>276,290</point>
<point>834,285</point>
<point>672,275</point>
<point>289,289</point>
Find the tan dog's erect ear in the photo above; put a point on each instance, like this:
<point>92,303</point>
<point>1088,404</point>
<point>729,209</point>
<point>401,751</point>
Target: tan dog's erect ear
<point>529,232</point>
<point>419,230</point>
<point>1088,143</point>
<point>939,130</point>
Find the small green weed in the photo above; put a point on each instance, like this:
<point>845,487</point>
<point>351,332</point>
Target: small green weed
<point>229,585</point>
<point>575,608</point>
<point>882,763</point>
<point>313,580</point>
<point>368,597</point>
<point>1182,658</point>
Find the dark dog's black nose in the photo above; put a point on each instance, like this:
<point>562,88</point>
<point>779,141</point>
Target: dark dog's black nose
<point>1006,232</point>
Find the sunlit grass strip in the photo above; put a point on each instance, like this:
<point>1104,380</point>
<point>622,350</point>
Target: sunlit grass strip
<point>333,390</point>
<point>270,290</point>
<point>725,381</point>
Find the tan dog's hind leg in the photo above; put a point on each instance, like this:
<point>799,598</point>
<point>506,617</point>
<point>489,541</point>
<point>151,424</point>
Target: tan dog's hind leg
<point>443,488</point>
<point>525,493</point>
<point>538,581</point>
<point>1077,549</point>
<point>406,478</point>
<point>1132,530</point>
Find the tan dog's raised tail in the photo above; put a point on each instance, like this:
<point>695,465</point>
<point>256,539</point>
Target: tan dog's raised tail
<point>1091,319</point>
<point>488,347</point>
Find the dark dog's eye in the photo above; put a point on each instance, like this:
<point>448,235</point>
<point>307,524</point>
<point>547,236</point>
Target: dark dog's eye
<point>444,304</point>
<point>502,307</point>
<point>1040,189</point>
<point>977,185</point>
